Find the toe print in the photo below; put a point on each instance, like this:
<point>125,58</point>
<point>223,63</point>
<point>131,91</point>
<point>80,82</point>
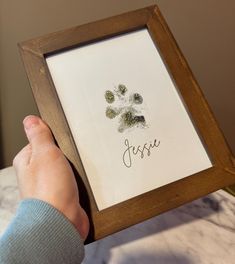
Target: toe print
<point>109,96</point>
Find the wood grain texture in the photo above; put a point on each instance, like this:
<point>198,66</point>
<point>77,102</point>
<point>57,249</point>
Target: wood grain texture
<point>147,205</point>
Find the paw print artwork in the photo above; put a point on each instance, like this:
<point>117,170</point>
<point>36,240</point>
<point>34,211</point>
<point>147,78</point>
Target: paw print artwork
<point>126,108</point>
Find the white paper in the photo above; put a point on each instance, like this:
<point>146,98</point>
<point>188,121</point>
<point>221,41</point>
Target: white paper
<point>83,75</point>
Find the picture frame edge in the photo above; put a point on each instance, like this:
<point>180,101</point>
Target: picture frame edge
<point>29,48</point>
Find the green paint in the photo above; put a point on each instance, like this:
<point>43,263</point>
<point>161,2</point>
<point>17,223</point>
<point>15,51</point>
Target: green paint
<point>126,109</point>
<point>109,96</point>
<point>110,112</point>
<point>122,89</point>
<point>129,119</point>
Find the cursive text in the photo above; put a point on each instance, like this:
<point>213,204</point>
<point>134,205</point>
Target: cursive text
<point>140,150</point>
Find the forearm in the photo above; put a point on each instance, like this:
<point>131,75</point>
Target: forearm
<point>39,233</point>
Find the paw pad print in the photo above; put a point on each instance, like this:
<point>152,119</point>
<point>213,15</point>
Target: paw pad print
<point>125,107</point>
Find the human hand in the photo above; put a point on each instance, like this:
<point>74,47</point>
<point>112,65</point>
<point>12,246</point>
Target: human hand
<point>44,173</point>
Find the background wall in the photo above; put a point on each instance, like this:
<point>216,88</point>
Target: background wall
<point>204,30</point>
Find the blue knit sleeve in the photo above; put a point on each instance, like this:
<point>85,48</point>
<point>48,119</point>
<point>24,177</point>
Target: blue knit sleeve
<point>39,233</point>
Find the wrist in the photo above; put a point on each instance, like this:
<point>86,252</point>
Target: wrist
<point>79,220</point>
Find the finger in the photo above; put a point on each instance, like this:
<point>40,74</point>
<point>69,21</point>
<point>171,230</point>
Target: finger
<point>22,159</point>
<point>38,133</point>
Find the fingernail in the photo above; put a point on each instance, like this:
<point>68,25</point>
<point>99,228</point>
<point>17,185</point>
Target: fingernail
<point>30,121</point>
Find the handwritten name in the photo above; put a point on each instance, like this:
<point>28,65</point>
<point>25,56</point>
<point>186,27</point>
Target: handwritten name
<point>140,150</point>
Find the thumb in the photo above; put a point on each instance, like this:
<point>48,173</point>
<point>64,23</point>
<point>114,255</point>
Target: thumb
<point>37,132</point>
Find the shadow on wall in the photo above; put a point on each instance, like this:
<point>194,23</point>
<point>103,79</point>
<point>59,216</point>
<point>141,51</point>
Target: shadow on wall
<point>1,114</point>
<point>1,145</point>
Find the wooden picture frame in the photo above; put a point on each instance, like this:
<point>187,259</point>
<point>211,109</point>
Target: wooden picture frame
<point>119,216</point>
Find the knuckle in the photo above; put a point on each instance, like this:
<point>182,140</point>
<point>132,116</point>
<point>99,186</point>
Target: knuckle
<point>50,150</point>
<point>55,152</point>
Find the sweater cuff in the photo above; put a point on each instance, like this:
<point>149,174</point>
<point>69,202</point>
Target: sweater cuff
<point>39,233</point>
